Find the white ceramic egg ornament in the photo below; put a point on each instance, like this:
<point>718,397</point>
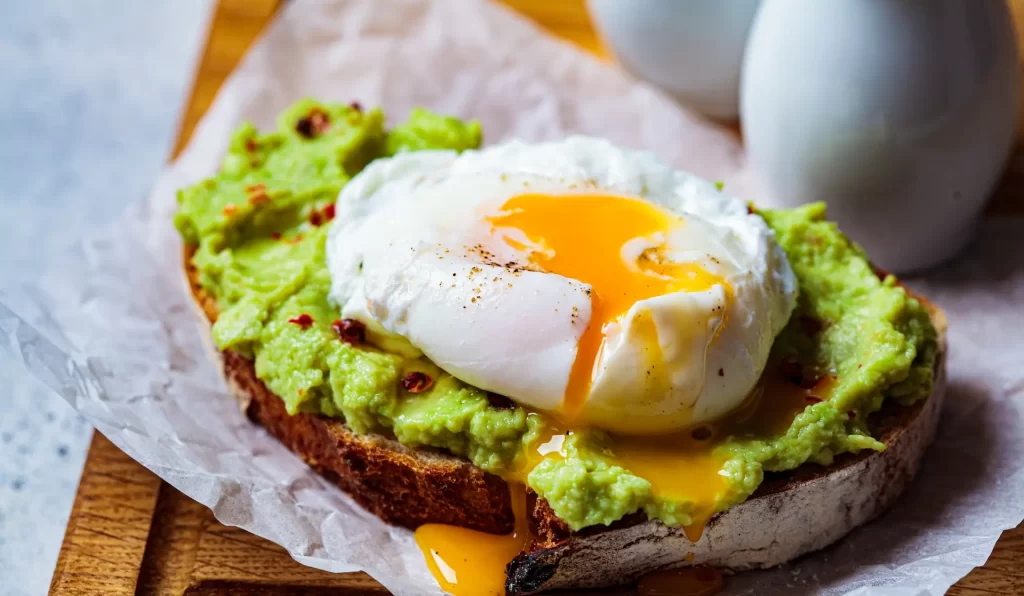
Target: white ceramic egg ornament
<point>899,113</point>
<point>691,48</point>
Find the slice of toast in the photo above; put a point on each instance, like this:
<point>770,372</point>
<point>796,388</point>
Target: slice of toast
<point>790,514</point>
<point>401,486</point>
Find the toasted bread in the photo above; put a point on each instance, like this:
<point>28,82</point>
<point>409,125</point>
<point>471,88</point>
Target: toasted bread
<point>790,514</point>
<point>401,486</point>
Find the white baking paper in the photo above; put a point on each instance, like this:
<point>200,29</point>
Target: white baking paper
<point>110,328</point>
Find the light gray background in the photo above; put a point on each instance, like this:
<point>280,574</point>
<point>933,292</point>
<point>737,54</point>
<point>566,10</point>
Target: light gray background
<point>90,94</point>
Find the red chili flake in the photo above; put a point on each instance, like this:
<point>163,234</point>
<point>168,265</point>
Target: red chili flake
<point>316,218</point>
<point>750,209</point>
<point>257,194</point>
<point>275,235</point>
<point>349,331</point>
<point>230,209</point>
<point>810,325</point>
<point>295,240</point>
<point>355,106</point>
<point>251,145</point>
<point>860,366</point>
<point>329,211</point>
<point>314,124</point>
<point>417,382</point>
<point>500,402</point>
<point>701,433</point>
<point>305,321</point>
<point>851,415</point>
<point>814,399</point>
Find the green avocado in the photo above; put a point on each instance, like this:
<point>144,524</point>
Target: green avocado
<point>259,229</point>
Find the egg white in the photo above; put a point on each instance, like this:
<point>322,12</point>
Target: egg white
<point>409,255</point>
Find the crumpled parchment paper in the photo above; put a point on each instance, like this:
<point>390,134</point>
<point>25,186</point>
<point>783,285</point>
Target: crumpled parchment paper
<point>110,328</point>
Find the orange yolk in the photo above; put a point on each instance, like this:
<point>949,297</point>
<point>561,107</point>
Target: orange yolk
<point>472,563</point>
<point>682,466</point>
<point>582,237</point>
<point>684,469</point>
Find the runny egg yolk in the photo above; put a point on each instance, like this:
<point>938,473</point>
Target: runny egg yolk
<point>684,466</point>
<point>582,237</point>
<point>472,563</point>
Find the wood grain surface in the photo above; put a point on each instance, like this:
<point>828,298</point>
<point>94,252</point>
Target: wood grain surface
<point>130,533</point>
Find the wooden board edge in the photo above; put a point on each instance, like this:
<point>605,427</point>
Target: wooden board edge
<point>109,525</point>
<point>233,25</point>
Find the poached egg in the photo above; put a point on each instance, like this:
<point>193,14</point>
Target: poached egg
<point>577,278</point>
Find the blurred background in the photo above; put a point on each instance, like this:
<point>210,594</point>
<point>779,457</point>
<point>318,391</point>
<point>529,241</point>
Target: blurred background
<point>90,94</point>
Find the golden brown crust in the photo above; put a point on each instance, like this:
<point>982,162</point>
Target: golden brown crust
<point>884,424</point>
<point>401,486</point>
<point>410,487</point>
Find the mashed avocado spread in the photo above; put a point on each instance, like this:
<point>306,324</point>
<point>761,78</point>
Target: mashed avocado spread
<point>259,230</point>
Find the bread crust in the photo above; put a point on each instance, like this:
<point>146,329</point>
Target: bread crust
<point>790,514</point>
<point>401,486</point>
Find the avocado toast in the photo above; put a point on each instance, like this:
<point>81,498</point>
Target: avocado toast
<point>392,457</point>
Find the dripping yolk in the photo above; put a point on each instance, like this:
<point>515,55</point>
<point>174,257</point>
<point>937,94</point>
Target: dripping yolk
<point>584,237</point>
<point>472,563</point>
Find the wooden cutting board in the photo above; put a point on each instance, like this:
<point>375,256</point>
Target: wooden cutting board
<point>131,533</point>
